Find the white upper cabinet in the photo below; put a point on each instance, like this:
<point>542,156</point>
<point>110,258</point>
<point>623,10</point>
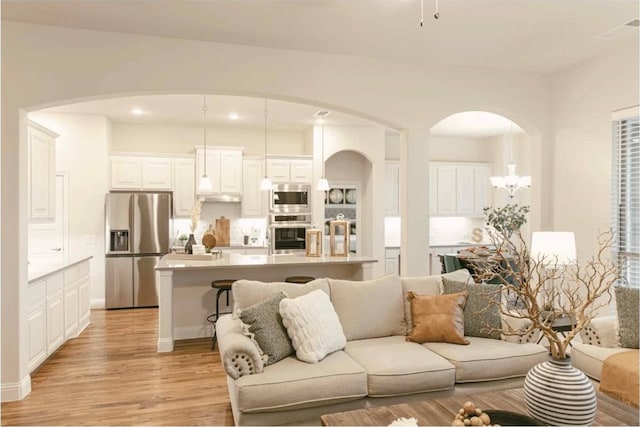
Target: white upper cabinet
<point>284,170</point>
<point>301,171</point>
<point>254,200</point>
<point>391,188</point>
<point>156,173</point>
<point>184,186</point>
<point>42,172</point>
<point>458,188</point>
<point>140,173</point>
<point>126,172</point>
<point>224,169</point>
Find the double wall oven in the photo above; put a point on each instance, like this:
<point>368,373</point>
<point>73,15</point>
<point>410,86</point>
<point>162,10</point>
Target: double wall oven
<point>289,218</point>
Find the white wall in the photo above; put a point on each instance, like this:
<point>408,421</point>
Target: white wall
<point>458,149</point>
<point>182,139</point>
<point>347,161</point>
<point>584,96</point>
<point>81,151</point>
<point>44,66</point>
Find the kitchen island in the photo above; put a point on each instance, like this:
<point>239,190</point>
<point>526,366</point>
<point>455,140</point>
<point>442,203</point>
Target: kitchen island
<point>185,296</point>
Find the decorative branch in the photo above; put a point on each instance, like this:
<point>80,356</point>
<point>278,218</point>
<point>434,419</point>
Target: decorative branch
<point>576,291</point>
<point>195,213</point>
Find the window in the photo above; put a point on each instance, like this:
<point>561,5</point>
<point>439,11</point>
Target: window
<point>626,192</point>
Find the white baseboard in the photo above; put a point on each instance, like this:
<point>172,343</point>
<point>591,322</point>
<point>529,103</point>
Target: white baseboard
<point>15,391</point>
<point>190,332</point>
<point>98,303</point>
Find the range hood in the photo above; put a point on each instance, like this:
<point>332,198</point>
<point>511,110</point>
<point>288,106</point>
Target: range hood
<point>221,198</point>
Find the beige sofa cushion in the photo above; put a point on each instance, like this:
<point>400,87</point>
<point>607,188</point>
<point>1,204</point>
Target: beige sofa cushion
<point>293,384</point>
<point>249,292</point>
<point>369,308</point>
<point>488,359</point>
<point>427,285</point>
<point>397,367</point>
<point>589,358</point>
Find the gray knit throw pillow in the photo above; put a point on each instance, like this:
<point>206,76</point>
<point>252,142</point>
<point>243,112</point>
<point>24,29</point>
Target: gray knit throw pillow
<point>481,315</point>
<point>627,303</point>
<point>262,323</point>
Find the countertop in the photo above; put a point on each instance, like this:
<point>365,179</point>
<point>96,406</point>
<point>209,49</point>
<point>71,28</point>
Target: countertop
<point>43,266</point>
<point>169,262</point>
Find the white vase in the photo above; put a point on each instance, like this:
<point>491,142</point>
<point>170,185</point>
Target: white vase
<point>556,393</point>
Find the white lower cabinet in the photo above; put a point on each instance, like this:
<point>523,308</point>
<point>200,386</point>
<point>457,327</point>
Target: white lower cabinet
<point>37,335</point>
<point>58,308</point>
<point>55,321</point>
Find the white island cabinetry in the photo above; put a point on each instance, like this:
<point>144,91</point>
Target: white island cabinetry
<point>184,284</point>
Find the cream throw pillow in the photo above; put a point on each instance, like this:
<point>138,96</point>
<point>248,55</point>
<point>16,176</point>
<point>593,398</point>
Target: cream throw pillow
<point>312,325</point>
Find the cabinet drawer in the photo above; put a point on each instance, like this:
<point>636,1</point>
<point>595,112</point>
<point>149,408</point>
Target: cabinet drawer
<point>36,292</point>
<point>83,269</point>
<point>54,283</point>
<point>70,275</point>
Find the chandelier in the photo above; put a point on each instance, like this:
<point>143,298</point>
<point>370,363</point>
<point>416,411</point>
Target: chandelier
<point>511,182</point>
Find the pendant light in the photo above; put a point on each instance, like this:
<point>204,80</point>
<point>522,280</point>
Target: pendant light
<point>265,183</point>
<point>323,184</point>
<point>204,185</point>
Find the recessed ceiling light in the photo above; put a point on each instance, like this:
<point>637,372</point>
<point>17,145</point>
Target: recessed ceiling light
<point>233,116</point>
<point>137,111</point>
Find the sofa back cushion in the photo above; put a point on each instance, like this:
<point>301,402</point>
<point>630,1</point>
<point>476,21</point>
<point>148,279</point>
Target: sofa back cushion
<point>427,285</point>
<point>249,292</point>
<point>369,308</point>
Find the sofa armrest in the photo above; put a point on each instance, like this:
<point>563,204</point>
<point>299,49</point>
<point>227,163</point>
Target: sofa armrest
<point>601,332</point>
<point>238,353</point>
<point>521,333</point>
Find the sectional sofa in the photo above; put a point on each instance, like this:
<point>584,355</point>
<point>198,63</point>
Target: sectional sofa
<point>376,365</point>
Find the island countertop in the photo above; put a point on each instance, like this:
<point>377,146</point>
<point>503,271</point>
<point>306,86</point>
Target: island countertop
<point>176,262</point>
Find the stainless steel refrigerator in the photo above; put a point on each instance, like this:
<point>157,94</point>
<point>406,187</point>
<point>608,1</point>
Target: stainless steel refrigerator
<point>137,235</point>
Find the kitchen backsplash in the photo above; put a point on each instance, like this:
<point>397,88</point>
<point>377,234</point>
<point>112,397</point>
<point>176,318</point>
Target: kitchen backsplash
<point>239,227</point>
<point>442,230</point>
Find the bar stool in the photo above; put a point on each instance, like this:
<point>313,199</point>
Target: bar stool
<point>299,279</point>
<point>224,287</point>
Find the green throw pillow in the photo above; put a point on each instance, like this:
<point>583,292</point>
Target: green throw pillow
<point>627,303</point>
<point>481,316</point>
<point>262,323</point>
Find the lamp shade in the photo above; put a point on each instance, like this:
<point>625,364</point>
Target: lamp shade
<point>265,184</point>
<point>556,247</point>
<point>323,184</point>
<point>205,186</point>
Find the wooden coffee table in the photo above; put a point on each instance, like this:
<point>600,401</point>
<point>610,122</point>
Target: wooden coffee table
<point>440,412</point>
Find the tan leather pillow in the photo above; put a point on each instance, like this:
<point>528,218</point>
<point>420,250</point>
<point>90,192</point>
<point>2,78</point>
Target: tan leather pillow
<point>438,318</point>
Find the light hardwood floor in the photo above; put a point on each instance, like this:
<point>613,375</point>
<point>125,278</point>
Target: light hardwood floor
<point>112,375</point>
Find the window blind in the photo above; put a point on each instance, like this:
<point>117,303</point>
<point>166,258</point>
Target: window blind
<point>626,196</point>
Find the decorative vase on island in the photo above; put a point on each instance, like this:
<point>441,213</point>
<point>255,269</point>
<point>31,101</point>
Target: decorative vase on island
<point>188,247</point>
<point>556,393</point>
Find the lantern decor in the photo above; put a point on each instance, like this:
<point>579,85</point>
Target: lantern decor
<point>339,236</point>
<point>313,242</point>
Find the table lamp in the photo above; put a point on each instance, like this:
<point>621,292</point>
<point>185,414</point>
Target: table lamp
<point>553,250</point>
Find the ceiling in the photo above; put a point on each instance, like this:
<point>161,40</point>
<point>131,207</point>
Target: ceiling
<point>539,36</point>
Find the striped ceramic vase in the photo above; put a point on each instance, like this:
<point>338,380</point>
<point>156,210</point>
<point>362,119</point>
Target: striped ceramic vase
<point>556,393</point>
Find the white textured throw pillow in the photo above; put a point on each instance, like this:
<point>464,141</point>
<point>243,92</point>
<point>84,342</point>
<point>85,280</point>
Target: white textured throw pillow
<point>312,325</point>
